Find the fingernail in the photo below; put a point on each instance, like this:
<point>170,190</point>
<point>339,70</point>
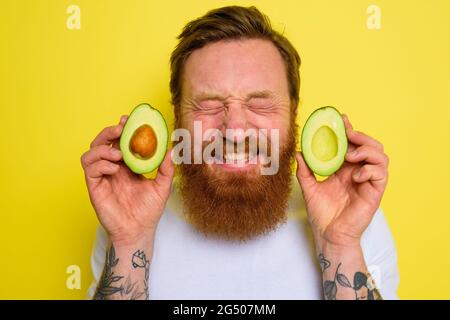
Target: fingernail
<point>356,175</point>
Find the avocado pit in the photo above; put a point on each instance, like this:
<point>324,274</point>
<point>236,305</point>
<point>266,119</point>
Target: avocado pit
<point>143,143</point>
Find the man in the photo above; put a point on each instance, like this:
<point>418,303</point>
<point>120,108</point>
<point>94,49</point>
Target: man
<point>224,231</point>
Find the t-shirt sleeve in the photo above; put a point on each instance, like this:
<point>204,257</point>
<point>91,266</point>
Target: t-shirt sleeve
<point>97,259</point>
<point>380,254</point>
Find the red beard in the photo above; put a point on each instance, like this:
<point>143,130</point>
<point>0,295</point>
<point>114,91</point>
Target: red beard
<point>237,206</point>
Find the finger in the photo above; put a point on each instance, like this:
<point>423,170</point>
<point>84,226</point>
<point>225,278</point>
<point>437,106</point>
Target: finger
<point>351,147</point>
<point>359,138</point>
<point>107,135</point>
<point>372,173</point>
<point>368,154</point>
<point>110,134</point>
<point>123,119</point>
<point>165,171</point>
<point>305,176</point>
<point>101,168</point>
<point>98,153</point>
<point>347,123</point>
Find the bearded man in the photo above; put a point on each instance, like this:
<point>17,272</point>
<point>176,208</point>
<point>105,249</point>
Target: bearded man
<point>223,230</point>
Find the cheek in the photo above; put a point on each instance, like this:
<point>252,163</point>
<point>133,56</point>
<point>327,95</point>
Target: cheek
<point>271,122</point>
<point>206,122</point>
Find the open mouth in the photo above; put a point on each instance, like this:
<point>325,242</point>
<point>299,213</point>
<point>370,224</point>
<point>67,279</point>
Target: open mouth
<point>249,153</point>
<point>237,156</point>
<point>244,158</point>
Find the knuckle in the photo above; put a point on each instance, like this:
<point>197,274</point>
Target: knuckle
<point>114,129</point>
<point>386,160</point>
<point>381,146</point>
<point>99,151</point>
<point>107,130</point>
<point>113,132</point>
<point>384,172</point>
<point>83,159</point>
<point>96,150</point>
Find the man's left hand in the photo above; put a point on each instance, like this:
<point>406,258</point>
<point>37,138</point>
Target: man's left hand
<point>341,207</point>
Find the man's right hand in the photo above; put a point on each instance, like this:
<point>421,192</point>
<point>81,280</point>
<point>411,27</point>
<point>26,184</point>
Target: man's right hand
<point>128,205</point>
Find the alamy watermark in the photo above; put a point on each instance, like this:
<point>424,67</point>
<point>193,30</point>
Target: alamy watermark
<point>73,21</point>
<point>374,17</point>
<point>73,280</point>
<point>238,147</point>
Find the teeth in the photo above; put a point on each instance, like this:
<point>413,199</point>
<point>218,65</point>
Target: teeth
<point>236,157</point>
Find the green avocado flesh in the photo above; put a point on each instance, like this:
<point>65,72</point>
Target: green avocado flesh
<point>324,142</point>
<point>144,139</point>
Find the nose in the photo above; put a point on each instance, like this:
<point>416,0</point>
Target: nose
<point>236,120</point>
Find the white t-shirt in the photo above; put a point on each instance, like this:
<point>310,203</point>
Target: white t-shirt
<point>278,265</point>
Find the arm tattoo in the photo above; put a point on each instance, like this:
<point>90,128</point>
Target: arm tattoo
<point>139,260</point>
<point>108,281</point>
<point>363,284</point>
<point>111,284</point>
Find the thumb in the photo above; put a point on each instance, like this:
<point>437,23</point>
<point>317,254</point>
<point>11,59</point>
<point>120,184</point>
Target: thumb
<point>305,176</point>
<point>165,173</point>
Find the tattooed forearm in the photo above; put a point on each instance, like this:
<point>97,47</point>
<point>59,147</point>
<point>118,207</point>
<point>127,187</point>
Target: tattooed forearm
<point>363,284</point>
<point>139,260</point>
<point>108,284</point>
<point>114,285</point>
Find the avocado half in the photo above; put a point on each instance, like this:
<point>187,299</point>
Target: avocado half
<point>324,141</point>
<point>144,139</point>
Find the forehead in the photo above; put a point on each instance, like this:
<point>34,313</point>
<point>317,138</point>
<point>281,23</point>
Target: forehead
<point>235,67</point>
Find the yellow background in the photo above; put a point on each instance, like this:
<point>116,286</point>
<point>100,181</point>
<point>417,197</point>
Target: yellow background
<point>59,87</point>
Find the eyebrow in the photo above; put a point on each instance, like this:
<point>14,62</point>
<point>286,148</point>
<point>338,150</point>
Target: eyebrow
<point>260,94</point>
<point>202,96</point>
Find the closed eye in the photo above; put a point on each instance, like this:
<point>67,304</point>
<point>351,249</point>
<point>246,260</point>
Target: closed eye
<point>210,106</point>
<point>261,105</point>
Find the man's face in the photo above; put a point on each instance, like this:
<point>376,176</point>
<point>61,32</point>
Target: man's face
<point>237,85</point>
